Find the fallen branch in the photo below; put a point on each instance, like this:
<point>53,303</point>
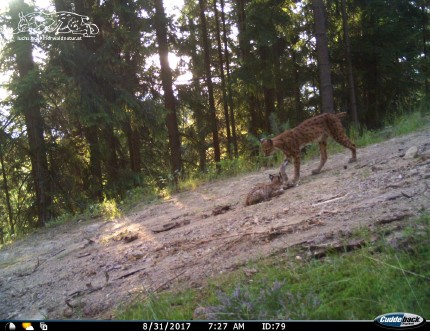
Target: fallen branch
<point>67,301</point>
<point>359,166</point>
<point>392,218</point>
<point>83,255</point>
<point>221,210</point>
<point>78,293</point>
<point>321,250</point>
<point>129,239</point>
<point>170,226</point>
<point>329,200</point>
<point>88,290</point>
<point>36,266</point>
<point>61,250</point>
<point>129,274</point>
<point>270,233</point>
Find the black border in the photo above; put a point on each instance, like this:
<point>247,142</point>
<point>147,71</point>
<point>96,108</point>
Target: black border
<point>106,325</point>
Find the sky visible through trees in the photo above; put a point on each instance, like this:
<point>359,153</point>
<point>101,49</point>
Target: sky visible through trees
<point>95,119</point>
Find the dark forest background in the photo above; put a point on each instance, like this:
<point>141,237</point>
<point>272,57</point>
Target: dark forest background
<point>95,119</point>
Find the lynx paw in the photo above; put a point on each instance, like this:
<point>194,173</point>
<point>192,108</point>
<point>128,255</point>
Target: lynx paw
<point>289,185</point>
<point>352,160</point>
<point>316,171</point>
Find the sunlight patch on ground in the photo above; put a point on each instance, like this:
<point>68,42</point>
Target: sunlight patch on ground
<point>124,230</point>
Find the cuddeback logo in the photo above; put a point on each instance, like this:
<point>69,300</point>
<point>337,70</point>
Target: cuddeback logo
<point>399,320</point>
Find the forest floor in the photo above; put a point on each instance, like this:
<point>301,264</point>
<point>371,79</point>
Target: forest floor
<point>86,269</point>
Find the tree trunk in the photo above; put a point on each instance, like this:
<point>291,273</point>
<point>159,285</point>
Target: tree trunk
<point>133,141</point>
<point>223,85</point>
<point>167,82</point>
<point>230,94</point>
<point>94,182</point>
<point>326,88</point>
<point>201,123</point>
<point>241,17</point>
<point>208,74</point>
<point>278,50</point>
<point>7,193</point>
<point>424,12</point>
<point>29,103</point>
<point>268,90</point>
<point>298,107</point>
<point>351,85</point>
<point>110,157</point>
<point>244,54</point>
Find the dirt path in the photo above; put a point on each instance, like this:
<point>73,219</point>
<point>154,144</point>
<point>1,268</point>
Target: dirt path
<point>84,270</point>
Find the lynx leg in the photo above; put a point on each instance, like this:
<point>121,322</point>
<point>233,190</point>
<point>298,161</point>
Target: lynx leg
<point>284,165</point>
<point>348,144</point>
<point>276,193</point>
<point>323,154</point>
<point>338,133</point>
<point>283,173</point>
<point>296,171</point>
<point>353,151</point>
<point>343,139</point>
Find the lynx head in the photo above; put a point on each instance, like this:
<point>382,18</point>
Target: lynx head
<point>267,146</point>
<point>275,179</point>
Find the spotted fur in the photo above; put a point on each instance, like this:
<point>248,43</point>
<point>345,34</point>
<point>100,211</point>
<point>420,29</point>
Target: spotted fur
<point>264,192</point>
<point>316,128</point>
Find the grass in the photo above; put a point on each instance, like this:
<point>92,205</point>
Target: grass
<point>229,168</point>
<point>363,284</point>
<point>360,285</point>
<point>155,307</point>
<point>112,208</point>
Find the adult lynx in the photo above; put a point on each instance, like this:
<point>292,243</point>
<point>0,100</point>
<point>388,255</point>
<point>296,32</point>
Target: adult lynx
<point>316,128</point>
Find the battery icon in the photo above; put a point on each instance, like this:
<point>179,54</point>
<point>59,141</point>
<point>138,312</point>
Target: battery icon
<point>10,327</point>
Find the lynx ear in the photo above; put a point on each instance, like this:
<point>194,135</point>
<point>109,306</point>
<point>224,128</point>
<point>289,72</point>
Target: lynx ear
<point>271,176</point>
<point>266,139</point>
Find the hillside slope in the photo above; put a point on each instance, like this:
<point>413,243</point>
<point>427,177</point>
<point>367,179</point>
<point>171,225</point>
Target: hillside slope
<point>86,269</point>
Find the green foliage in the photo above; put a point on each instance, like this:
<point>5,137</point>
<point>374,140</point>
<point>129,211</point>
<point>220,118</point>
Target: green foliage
<point>109,209</point>
<point>386,50</point>
<point>102,104</point>
<point>271,301</point>
<point>408,122</point>
<point>106,210</point>
<point>228,168</point>
<point>343,286</point>
<point>276,126</point>
<point>155,307</point>
<point>367,137</point>
<point>139,195</point>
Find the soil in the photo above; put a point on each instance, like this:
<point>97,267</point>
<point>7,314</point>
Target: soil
<point>86,269</point>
